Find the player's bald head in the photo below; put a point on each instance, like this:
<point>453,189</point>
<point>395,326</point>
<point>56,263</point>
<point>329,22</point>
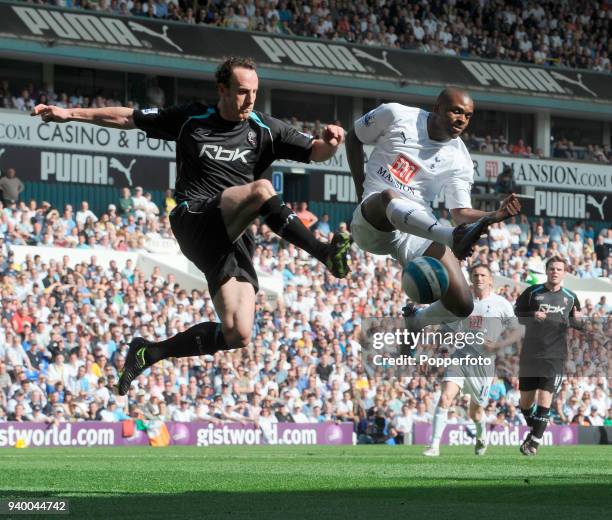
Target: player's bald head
<point>451,115</point>
<point>452,96</point>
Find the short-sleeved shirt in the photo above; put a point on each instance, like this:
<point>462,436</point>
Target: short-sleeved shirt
<point>546,339</point>
<point>491,316</point>
<point>213,154</point>
<point>406,160</point>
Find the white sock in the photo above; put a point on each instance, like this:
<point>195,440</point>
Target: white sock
<point>480,428</point>
<point>435,314</point>
<point>439,423</point>
<point>410,217</point>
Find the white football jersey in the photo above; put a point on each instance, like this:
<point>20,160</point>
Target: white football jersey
<point>496,307</point>
<point>406,160</point>
<point>491,316</point>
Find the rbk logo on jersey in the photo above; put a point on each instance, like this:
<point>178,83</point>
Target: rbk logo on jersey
<point>551,309</point>
<point>218,153</point>
<point>403,169</point>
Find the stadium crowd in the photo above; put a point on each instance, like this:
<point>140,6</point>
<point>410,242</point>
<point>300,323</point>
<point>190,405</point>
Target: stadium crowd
<point>562,148</point>
<point>572,33</point>
<point>26,97</point>
<point>64,328</point>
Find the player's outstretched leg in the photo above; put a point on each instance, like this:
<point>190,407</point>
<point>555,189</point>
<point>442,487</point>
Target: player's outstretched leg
<point>235,305</point>
<point>286,224</point>
<point>415,219</point>
<point>201,339</point>
<point>337,255</point>
<point>456,304</point>
<point>135,364</point>
<point>240,205</point>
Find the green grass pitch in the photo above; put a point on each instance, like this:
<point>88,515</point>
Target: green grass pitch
<point>317,482</point>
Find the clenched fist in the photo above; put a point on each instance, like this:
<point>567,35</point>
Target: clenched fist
<point>333,135</point>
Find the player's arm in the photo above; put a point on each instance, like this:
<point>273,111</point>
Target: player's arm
<point>509,207</point>
<point>576,320</point>
<point>112,117</point>
<point>367,130</point>
<point>522,308</point>
<point>326,147</point>
<point>354,155</point>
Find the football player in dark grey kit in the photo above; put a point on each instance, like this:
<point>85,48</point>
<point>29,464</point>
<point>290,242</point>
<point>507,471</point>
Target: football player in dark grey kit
<point>221,152</point>
<point>547,310</point>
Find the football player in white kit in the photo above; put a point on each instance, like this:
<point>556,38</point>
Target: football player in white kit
<point>492,315</point>
<point>418,154</point>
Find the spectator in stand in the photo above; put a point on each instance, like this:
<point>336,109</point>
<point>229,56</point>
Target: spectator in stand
<point>10,187</point>
<point>24,102</point>
<point>602,249</point>
<point>519,148</point>
<point>308,218</point>
<point>487,145</point>
<point>151,208</point>
<point>539,238</point>
<point>169,202</point>
<point>554,231</point>
<point>505,183</point>
<point>576,247</point>
<point>85,214</point>
<point>126,204</point>
<point>323,226</point>
<point>67,220</point>
<point>140,203</point>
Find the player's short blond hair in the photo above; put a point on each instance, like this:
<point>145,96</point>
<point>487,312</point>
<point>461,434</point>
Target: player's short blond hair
<point>480,266</point>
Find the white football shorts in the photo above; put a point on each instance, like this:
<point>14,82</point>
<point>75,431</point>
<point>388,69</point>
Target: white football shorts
<point>401,246</point>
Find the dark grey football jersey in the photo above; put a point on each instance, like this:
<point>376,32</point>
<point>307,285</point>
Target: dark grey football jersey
<point>213,154</point>
<point>546,339</point>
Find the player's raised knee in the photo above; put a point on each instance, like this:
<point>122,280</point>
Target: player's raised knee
<point>263,190</point>
<point>461,306</point>
<point>388,195</point>
<point>464,307</point>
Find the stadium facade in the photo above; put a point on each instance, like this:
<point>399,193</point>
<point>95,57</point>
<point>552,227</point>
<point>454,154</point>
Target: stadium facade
<point>165,62</point>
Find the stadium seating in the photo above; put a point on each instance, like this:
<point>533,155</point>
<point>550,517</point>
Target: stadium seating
<point>571,34</point>
<point>64,331</point>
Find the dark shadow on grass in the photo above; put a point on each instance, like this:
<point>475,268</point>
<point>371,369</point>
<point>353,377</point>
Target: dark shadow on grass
<point>514,499</point>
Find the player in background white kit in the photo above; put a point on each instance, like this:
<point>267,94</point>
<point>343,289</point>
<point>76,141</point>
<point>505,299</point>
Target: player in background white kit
<point>418,154</point>
<point>476,381</point>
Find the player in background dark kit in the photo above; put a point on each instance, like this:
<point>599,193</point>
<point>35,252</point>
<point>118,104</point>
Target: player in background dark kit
<point>221,152</point>
<point>547,310</point>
